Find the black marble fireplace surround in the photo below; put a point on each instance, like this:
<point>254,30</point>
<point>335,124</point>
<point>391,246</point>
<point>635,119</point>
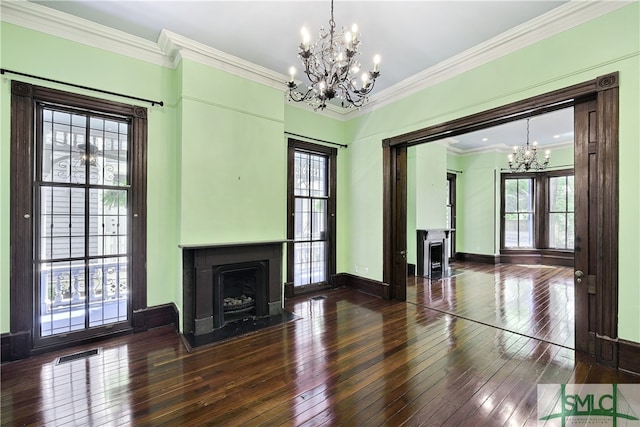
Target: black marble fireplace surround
<point>206,268</point>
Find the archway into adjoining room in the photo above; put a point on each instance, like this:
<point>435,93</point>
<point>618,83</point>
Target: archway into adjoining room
<point>596,156</point>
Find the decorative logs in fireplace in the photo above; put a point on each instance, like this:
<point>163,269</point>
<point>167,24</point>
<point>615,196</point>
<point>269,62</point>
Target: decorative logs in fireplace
<point>229,282</point>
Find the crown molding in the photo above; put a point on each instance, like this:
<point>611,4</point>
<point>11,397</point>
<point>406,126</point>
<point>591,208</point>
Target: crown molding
<point>178,47</point>
<point>50,21</point>
<point>558,20</point>
<point>171,48</point>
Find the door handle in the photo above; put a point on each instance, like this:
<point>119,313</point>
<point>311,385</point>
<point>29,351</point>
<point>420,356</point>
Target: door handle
<point>579,275</point>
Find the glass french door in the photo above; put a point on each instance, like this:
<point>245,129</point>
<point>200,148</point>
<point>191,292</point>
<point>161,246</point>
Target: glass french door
<point>311,256</point>
<point>81,235</point>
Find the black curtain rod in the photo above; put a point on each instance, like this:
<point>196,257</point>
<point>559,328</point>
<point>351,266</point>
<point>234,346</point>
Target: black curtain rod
<point>316,139</point>
<point>150,101</point>
<point>453,170</point>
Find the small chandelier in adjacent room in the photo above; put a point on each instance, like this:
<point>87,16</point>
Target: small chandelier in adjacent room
<point>332,69</point>
<point>525,157</point>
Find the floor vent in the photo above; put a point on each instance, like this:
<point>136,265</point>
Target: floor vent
<point>76,356</point>
<point>319,297</point>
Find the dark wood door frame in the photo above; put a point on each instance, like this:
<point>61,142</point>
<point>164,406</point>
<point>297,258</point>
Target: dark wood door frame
<point>604,91</point>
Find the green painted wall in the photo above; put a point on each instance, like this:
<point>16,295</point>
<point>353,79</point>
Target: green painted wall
<point>233,181</point>
<point>216,156</point>
<point>609,43</point>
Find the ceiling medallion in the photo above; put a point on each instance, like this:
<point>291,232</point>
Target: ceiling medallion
<point>525,157</point>
<point>332,69</point>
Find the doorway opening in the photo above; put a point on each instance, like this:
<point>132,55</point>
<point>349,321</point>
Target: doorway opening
<point>595,105</point>
<point>514,231</point>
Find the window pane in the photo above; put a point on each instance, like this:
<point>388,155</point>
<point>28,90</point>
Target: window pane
<point>558,194</point>
<point>301,263</point>
<point>570,231</point>
<point>557,230</point>
<point>525,195</point>
<point>511,230</point>
<point>319,225</point>
<point>302,219</point>
<point>318,262</point>
<point>62,297</point>
<point>525,231</point>
<point>108,291</point>
<point>65,151</point>
<point>510,195</point>
<point>107,222</point>
<point>61,222</point>
<point>301,174</point>
<point>318,176</point>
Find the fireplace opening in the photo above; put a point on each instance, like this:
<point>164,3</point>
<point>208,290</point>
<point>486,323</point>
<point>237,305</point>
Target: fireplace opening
<point>240,292</point>
<point>435,259</point>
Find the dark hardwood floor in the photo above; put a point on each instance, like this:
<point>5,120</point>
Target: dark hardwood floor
<point>532,300</point>
<point>350,359</point>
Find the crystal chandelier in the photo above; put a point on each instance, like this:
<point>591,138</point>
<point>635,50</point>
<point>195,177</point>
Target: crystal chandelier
<point>525,157</point>
<point>332,69</point>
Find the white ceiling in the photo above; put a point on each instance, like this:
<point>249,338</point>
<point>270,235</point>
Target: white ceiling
<point>548,130</point>
<point>410,36</point>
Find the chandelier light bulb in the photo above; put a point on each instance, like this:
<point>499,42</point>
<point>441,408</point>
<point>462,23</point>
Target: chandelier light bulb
<point>292,72</point>
<point>354,30</point>
<point>365,79</point>
<point>306,38</point>
<point>376,63</point>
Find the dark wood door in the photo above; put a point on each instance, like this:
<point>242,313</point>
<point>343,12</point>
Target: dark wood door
<point>585,262</point>
<point>596,223</point>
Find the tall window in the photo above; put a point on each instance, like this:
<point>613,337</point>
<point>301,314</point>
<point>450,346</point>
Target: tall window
<point>311,191</point>
<point>537,210</point>
<point>78,215</point>
<point>518,213</point>
<point>561,225</point>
